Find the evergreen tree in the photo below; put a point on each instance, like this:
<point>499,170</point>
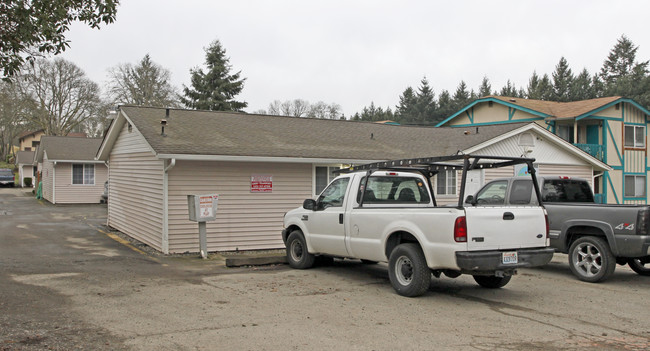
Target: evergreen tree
<point>509,90</point>
<point>407,108</point>
<point>215,89</point>
<point>485,88</point>
<point>534,84</point>
<point>621,62</point>
<point>546,88</point>
<point>461,96</point>
<point>581,88</point>
<point>562,81</point>
<point>426,103</point>
<point>446,107</point>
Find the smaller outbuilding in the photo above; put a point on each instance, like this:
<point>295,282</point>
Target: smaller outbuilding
<point>69,172</point>
<point>26,168</point>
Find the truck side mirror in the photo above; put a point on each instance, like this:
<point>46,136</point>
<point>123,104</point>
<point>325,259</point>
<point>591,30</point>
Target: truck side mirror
<point>469,199</point>
<point>309,204</point>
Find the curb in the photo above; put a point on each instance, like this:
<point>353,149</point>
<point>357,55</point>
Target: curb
<point>255,260</point>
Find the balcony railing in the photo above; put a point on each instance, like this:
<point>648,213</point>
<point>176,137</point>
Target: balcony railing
<point>595,150</point>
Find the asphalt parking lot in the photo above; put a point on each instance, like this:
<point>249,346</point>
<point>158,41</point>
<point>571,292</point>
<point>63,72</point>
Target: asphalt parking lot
<point>69,283</point>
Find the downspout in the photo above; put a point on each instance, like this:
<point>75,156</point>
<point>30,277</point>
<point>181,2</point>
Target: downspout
<point>54,182</point>
<point>165,233</point>
<point>108,211</point>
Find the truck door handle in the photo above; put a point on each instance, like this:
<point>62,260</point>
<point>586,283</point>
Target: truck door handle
<point>508,216</point>
<point>340,218</point>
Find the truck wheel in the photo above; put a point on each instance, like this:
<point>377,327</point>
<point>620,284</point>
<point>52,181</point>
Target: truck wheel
<point>408,270</point>
<point>591,260</point>
<point>297,254</point>
<point>491,281</point>
<point>640,265</point>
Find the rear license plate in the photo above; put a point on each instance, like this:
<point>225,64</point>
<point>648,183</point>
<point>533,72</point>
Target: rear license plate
<point>509,257</point>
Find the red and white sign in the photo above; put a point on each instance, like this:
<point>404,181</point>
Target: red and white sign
<point>261,183</point>
<point>205,206</point>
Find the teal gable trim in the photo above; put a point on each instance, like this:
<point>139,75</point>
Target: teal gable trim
<point>618,119</point>
<point>629,101</point>
<point>635,124</point>
<point>511,113</point>
<point>493,123</point>
<point>620,158</point>
<point>501,102</point>
<point>470,116</point>
<point>617,168</point>
<point>609,180</point>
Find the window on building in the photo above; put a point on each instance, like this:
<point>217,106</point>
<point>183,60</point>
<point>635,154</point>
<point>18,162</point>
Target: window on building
<point>323,176</point>
<point>565,131</point>
<point>635,136</point>
<point>635,185</point>
<point>446,183</point>
<point>83,174</point>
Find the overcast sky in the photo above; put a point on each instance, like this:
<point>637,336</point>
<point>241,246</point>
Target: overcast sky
<point>355,52</point>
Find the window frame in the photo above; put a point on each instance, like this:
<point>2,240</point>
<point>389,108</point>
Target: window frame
<point>84,173</point>
<point>330,176</point>
<point>635,143</point>
<point>446,194</point>
<point>635,195</point>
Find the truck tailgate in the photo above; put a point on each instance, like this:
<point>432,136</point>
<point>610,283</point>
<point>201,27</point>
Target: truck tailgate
<point>505,227</point>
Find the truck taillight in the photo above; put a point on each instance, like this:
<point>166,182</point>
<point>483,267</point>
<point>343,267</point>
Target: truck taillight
<point>643,221</point>
<point>460,230</point>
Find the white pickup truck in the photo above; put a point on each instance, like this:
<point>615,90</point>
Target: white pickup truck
<point>387,212</point>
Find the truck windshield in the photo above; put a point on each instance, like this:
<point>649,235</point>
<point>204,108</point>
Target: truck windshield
<point>566,190</point>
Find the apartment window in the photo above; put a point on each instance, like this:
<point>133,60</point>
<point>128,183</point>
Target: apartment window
<point>635,136</point>
<point>635,185</point>
<point>323,176</point>
<point>446,183</point>
<point>83,174</point>
<point>565,131</point>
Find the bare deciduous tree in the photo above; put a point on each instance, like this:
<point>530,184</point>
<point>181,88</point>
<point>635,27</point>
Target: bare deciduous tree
<point>302,108</point>
<point>64,97</point>
<point>145,84</point>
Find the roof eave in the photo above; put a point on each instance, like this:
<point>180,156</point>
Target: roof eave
<point>499,101</point>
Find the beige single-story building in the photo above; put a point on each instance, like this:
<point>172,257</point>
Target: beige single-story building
<point>262,166</point>
<point>26,167</point>
<point>69,172</point>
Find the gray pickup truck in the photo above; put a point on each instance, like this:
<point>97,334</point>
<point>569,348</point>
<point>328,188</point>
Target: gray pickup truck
<point>595,236</point>
<point>6,177</point>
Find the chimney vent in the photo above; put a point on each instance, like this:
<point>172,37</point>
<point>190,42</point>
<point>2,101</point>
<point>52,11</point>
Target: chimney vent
<point>163,123</point>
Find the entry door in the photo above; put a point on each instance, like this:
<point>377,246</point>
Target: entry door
<point>474,182</point>
<point>592,134</point>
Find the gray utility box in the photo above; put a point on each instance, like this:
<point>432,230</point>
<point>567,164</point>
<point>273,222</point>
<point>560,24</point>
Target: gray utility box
<point>202,208</point>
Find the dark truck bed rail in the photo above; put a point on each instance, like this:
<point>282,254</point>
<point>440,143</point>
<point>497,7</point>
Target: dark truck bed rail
<point>430,166</point>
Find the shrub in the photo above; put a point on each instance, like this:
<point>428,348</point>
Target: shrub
<point>28,182</point>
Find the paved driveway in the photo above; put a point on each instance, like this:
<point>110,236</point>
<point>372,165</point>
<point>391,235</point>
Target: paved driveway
<point>65,284</point>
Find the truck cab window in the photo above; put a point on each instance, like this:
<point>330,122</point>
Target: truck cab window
<point>493,194</point>
<point>394,190</point>
<point>333,195</point>
<point>521,192</point>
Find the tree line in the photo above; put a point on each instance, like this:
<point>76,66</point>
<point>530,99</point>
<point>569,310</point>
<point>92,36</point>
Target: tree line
<point>620,75</point>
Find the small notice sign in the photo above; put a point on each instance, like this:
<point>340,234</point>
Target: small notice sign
<point>205,205</point>
<point>261,183</point>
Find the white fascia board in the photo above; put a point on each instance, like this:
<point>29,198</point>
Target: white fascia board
<point>110,138</point>
<point>186,157</point>
<point>77,161</point>
<point>552,137</point>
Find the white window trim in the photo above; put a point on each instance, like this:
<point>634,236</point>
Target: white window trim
<point>313,175</point>
<point>635,145</point>
<point>445,195</point>
<point>84,174</point>
<point>644,185</point>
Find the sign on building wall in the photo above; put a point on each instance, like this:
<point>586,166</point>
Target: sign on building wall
<point>261,183</point>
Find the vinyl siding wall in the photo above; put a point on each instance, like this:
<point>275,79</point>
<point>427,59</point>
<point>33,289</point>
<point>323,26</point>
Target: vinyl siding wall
<point>68,193</point>
<point>135,200</point>
<point>47,179</point>
<point>245,220</point>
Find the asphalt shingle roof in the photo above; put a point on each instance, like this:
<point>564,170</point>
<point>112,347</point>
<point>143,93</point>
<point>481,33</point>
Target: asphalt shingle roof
<point>559,109</point>
<point>238,134</point>
<point>68,148</point>
<point>25,157</point>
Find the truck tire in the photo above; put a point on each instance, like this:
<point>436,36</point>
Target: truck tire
<point>408,271</point>
<point>491,281</point>
<point>641,265</point>
<point>591,260</point>
<point>297,254</point>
